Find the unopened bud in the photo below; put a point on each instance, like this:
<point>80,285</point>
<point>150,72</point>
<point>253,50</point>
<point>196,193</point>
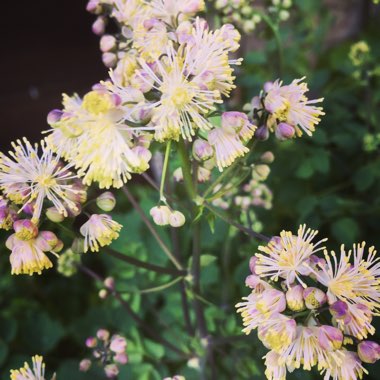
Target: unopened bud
<point>369,352</point>
<point>267,157</point>
<point>109,283</point>
<point>91,342</point>
<point>103,334</point>
<point>103,294</point>
<point>118,344</point>
<point>177,219</point>
<point>58,247</point>
<point>25,229</point>
<point>178,175</point>
<point>109,59</point>
<point>84,365</point>
<point>99,26</point>
<point>234,121</point>
<point>121,358</point>
<point>284,131</point>
<point>330,338</point>
<point>54,116</point>
<point>262,133</point>
<point>47,240</point>
<point>202,150</point>
<point>54,215</point>
<point>339,311</point>
<point>111,370</point>
<point>314,298</point>
<point>107,43</point>
<point>262,171</point>
<point>294,298</point>
<point>106,201</point>
<point>93,6</point>
<point>160,215</point>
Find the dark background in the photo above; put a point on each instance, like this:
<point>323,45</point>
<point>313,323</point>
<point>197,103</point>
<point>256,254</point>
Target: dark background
<point>47,48</point>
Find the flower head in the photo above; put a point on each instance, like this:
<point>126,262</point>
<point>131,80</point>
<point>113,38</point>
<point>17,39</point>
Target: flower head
<point>37,372</point>
<point>99,231</point>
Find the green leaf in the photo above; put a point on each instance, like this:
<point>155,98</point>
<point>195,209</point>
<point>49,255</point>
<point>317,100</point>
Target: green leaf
<point>345,230</point>
<point>3,351</point>
<point>365,177</point>
<point>8,329</point>
<point>153,349</point>
<point>305,170</point>
<point>207,260</point>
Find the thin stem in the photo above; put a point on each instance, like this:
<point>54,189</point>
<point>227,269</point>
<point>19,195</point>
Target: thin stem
<point>164,170</point>
<point>151,181</point>
<point>246,230</point>
<point>186,169</point>
<point>144,326</point>
<point>161,287</point>
<point>152,229</point>
<point>142,264</point>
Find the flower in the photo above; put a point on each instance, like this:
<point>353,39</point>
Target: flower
<point>28,178</point>
<point>176,219</point>
<point>99,231</point>
<point>160,215</point>
<point>28,247</point>
<point>368,351</point>
<point>288,104</point>
<point>172,10</point>
<point>118,344</point>
<point>287,257</point>
<point>294,298</point>
<point>330,338</point>
<point>314,298</point>
<point>274,369</point>
<point>27,373</point>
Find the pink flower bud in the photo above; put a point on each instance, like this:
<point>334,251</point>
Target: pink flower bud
<point>107,43</point>
<point>25,229</point>
<point>103,293</point>
<point>339,311</point>
<point>369,352</point>
<point>262,133</point>
<point>91,342</point>
<point>294,298</point>
<point>54,116</point>
<point>93,6</point>
<point>177,219</point>
<point>109,59</point>
<point>234,121</point>
<point>109,283</point>
<point>111,370</point>
<point>268,86</point>
<point>54,215</point>
<point>84,365</point>
<point>99,26</point>
<point>106,201</point>
<point>314,298</point>
<point>267,157</point>
<point>160,215</point>
<point>103,334</point>
<point>178,175</point>
<point>330,338</point>
<point>252,264</point>
<point>47,240</point>
<point>202,150</point>
<point>29,208</point>
<point>284,131</point>
<point>118,344</point>
<point>121,358</point>
<point>58,247</point>
<point>271,301</point>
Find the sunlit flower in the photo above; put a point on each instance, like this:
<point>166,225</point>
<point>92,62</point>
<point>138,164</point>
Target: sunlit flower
<point>274,369</point>
<point>288,104</point>
<point>31,178</point>
<point>286,257</point>
<point>99,231</point>
<point>37,372</point>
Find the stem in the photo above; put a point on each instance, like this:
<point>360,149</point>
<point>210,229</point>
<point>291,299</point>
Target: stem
<point>144,326</point>
<point>142,264</point>
<point>186,170</point>
<point>248,231</point>
<point>164,170</point>
<point>152,229</point>
<point>161,287</point>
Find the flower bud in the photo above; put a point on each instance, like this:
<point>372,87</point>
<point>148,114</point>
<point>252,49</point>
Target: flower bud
<point>54,215</point>
<point>339,311</point>
<point>330,338</point>
<point>54,116</point>
<point>78,245</point>
<point>202,150</point>
<point>111,370</point>
<point>234,121</point>
<point>109,283</point>
<point>93,6</point>
<point>294,298</point>
<point>84,365</point>
<point>314,298</point>
<point>271,301</point>
<point>99,26</point>
<point>29,208</point>
<point>252,264</point>
<point>268,86</point>
<point>284,131</point>
<point>204,174</point>
<point>7,217</point>
<point>121,358</point>
<point>267,157</point>
<point>103,293</point>
<point>47,240</point>
<point>118,344</point>
<point>106,201</point>
<point>107,43</point>
<point>177,219</point>
<point>369,352</point>
<point>58,247</point>
<point>109,59</point>
<point>91,342</point>
<point>103,334</point>
<point>262,133</point>
<point>178,175</point>
<point>160,215</point>
<point>262,171</point>
<point>25,229</point>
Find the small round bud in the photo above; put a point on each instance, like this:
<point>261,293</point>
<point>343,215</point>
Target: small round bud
<point>109,283</point>
<point>93,6</point>
<point>330,338</point>
<point>267,157</point>
<point>103,294</point>
<point>178,175</point>
<point>99,26</point>
<point>160,215</point>
<point>262,133</point>
<point>261,171</point>
<point>58,247</point>
<point>294,298</point>
<point>106,201</point>
<point>54,215</point>
<point>84,365</point>
<point>121,358</point>
<point>314,298</point>
<point>369,352</point>
<point>91,342</point>
<point>118,344</point>
<point>47,240</point>
<point>111,370</point>
<point>25,229</point>
<point>109,59</point>
<point>103,334</point>
<point>339,311</point>
<point>202,150</point>
<point>177,219</point>
<point>234,121</point>
<point>107,43</point>
<point>54,116</point>
<point>284,131</point>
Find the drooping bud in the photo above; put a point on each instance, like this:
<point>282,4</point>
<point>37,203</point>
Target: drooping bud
<point>93,6</point>
<point>262,133</point>
<point>160,215</point>
<point>58,247</point>
<point>121,358</point>
<point>369,351</point>
<point>202,150</point>
<point>54,116</point>
<point>118,344</point>
<point>178,175</point>
<point>54,215</point>
<point>106,201</point>
<point>111,370</point>
<point>109,59</point>
<point>261,172</point>
<point>107,43</point>
<point>91,342</point>
<point>177,219</point>
<point>330,338</point>
<point>109,283</point>
<point>25,229</point>
<point>314,298</point>
<point>84,365</point>
<point>99,26</point>
<point>47,240</point>
<point>103,334</point>
<point>284,131</point>
<point>267,157</point>
<point>294,298</point>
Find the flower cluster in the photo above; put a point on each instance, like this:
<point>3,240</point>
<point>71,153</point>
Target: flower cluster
<point>313,311</point>
<point>37,372</point>
<point>285,110</point>
<point>246,14</point>
<point>108,351</point>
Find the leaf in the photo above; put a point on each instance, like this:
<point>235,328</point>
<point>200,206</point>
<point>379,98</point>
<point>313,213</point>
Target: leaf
<point>207,260</point>
<point>153,349</point>
<point>8,329</point>
<point>305,170</point>
<point>345,230</point>
<point>3,351</point>
<point>364,177</point>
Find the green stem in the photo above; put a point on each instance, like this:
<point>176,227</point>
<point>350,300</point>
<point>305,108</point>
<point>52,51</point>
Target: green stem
<point>186,169</point>
<point>161,287</point>
<point>164,170</point>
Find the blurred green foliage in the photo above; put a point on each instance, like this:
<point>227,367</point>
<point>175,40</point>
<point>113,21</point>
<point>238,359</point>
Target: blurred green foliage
<point>330,181</point>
